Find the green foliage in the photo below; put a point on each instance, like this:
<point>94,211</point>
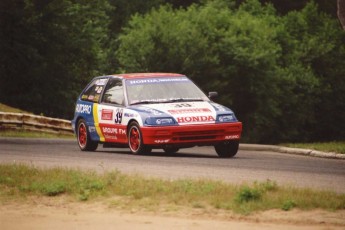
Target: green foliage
<point>277,64</point>
<point>276,72</point>
<point>231,51</point>
<point>53,189</point>
<point>288,205</point>
<point>248,194</point>
<point>50,49</point>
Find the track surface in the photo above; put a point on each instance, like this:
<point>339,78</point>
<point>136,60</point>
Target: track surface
<point>199,162</point>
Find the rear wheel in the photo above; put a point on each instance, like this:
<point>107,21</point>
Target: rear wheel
<point>83,136</point>
<point>227,149</point>
<point>135,140</point>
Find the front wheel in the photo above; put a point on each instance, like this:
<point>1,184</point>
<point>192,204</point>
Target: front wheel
<point>84,141</point>
<point>135,140</point>
<point>227,149</point>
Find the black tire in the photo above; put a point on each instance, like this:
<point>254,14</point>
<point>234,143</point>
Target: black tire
<point>227,149</point>
<point>83,137</point>
<point>135,140</point>
<point>171,150</point>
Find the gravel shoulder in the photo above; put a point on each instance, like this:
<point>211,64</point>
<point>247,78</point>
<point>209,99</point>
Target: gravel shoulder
<point>59,213</point>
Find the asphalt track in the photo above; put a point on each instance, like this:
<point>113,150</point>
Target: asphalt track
<point>198,162</point>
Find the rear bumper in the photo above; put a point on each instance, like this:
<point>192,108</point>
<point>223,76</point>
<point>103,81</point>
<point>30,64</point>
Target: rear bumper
<point>206,134</point>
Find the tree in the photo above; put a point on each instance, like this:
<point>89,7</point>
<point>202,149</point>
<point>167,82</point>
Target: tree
<point>51,49</point>
<point>341,12</point>
<point>270,69</point>
<point>234,52</point>
<point>314,44</point>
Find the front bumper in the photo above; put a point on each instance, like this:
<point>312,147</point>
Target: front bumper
<point>205,134</point>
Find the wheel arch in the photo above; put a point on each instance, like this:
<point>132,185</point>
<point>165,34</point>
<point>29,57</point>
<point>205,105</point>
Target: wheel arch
<point>76,123</point>
<point>129,122</point>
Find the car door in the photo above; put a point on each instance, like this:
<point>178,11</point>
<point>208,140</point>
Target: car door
<point>110,111</point>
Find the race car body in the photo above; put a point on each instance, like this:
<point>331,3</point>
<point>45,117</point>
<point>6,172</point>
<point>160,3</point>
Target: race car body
<point>143,111</point>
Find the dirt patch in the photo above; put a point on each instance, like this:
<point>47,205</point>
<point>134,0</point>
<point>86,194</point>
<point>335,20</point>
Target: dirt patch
<point>59,213</point>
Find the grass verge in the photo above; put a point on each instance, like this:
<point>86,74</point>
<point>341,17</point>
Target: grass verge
<point>9,109</point>
<point>19,181</point>
<point>334,146</point>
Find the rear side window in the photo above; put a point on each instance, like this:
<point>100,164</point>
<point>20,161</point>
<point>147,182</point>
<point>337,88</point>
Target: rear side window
<point>94,90</point>
<point>113,93</point>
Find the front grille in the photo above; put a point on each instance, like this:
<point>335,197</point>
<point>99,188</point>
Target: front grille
<point>197,135</point>
<point>196,138</point>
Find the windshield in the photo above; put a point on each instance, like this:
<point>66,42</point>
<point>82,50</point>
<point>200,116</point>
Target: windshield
<point>163,90</point>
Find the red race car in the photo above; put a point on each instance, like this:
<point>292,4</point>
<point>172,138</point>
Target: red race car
<point>145,111</point>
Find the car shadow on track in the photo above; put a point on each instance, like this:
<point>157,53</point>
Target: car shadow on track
<point>158,153</point>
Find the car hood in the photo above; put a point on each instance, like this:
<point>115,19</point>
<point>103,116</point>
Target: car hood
<point>186,113</point>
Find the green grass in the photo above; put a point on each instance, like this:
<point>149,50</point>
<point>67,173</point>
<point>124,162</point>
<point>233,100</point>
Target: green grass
<point>9,109</point>
<point>335,146</point>
<point>127,191</point>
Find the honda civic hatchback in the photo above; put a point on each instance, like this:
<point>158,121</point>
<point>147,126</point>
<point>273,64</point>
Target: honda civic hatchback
<point>145,111</point>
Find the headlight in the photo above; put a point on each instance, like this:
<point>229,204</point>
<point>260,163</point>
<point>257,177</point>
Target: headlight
<point>159,121</point>
<point>226,118</point>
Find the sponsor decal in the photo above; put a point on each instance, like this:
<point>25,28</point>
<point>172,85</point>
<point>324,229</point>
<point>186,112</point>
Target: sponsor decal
<point>183,105</point>
<point>107,114</point>
<point>99,90</point>
<point>92,129</point>
<point>231,137</point>
<point>122,131</point>
<point>129,115</point>
<point>112,133</point>
<point>191,119</point>
<point>107,130</point>
<point>156,80</point>
<point>196,110</point>
<point>164,121</point>
<point>161,141</point>
<point>82,108</point>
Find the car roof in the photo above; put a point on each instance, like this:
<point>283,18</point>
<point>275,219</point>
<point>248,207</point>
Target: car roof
<point>146,75</point>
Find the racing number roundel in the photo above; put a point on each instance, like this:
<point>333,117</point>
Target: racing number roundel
<point>118,116</point>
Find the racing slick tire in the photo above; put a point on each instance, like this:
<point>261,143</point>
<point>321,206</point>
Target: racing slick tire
<point>83,136</point>
<point>135,140</point>
<point>171,150</point>
<point>227,149</point>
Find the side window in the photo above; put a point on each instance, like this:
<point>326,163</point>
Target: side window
<point>94,90</point>
<point>114,92</point>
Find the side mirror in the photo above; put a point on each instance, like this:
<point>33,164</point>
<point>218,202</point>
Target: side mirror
<point>212,95</point>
